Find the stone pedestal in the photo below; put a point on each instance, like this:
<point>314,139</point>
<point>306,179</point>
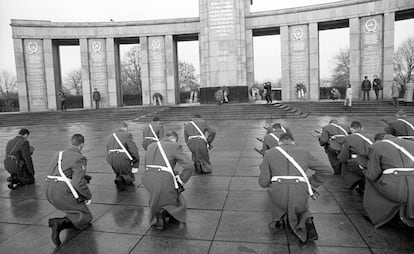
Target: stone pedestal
<point>98,69</point>
<point>35,75</point>
<point>223,42</point>
<point>299,60</point>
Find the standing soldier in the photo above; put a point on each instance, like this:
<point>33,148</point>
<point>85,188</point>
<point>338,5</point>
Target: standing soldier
<point>163,183</point>
<point>282,171</point>
<point>67,190</point>
<point>18,161</point>
<point>331,139</point>
<point>400,127</point>
<point>96,97</point>
<point>122,155</point>
<point>198,137</point>
<point>268,88</point>
<point>272,138</point>
<point>353,156</point>
<point>389,188</point>
<point>148,137</point>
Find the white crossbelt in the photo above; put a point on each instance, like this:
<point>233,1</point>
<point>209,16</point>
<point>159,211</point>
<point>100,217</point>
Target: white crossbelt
<point>201,133</point>
<point>155,137</point>
<point>340,127</point>
<point>407,123</point>
<point>122,147</point>
<point>63,178</point>
<point>404,151</point>
<point>151,138</point>
<point>406,137</point>
<point>274,136</point>
<point>283,129</point>
<point>195,136</point>
<point>298,167</point>
<point>392,170</point>
<point>168,168</point>
<point>279,178</point>
<point>364,138</point>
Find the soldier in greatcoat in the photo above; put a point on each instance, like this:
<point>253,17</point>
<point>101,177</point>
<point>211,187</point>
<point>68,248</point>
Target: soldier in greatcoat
<point>354,156</point>
<point>122,155</point>
<point>67,189</point>
<point>289,188</point>
<point>331,140</point>
<point>389,188</point>
<point>166,201</point>
<point>148,137</point>
<point>18,161</point>
<point>199,135</point>
<point>400,126</point>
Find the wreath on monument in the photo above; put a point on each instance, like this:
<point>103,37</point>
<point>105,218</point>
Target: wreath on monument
<point>300,90</point>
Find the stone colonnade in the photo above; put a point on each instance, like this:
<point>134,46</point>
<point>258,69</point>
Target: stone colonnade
<point>225,31</point>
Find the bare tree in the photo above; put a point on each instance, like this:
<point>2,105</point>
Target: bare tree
<point>131,71</point>
<point>72,83</point>
<point>340,74</point>
<point>8,84</point>
<point>404,61</point>
<point>186,75</point>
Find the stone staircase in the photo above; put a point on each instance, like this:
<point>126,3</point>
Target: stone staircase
<point>241,111</point>
<point>72,116</point>
<point>359,108</point>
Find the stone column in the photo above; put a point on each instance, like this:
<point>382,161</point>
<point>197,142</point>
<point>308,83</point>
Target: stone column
<point>86,81</point>
<point>249,58</point>
<point>285,54</point>
<point>143,42</point>
<point>98,69</point>
<point>35,74</point>
<point>223,42</point>
<point>157,66</point>
<point>113,90</point>
<point>355,57</point>
<point>388,72</point>
<point>372,45</point>
<point>21,75</point>
<point>299,59</point>
<point>314,61</point>
<point>50,75</point>
<point>169,56</point>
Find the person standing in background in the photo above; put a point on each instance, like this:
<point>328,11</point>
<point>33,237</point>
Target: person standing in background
<point>96,97</point>
<point>376,85</point>
<point>348,98</point>
<point>408,95</point>
<point>366,87</point>
<point>395,93</point>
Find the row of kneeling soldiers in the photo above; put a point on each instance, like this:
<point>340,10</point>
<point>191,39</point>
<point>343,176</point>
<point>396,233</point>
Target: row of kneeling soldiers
<point>282,171</point>
<point>380,167</point>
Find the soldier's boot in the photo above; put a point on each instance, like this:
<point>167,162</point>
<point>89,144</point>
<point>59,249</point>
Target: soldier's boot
<point>198,167</point>
<point>160,216</point>
<point>57,225</point>
<point>312,235</point>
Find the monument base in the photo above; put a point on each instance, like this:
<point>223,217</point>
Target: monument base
<point>238,94</point>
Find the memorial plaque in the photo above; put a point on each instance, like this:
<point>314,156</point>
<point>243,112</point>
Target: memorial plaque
<point>225,42</point>
<point>372,44</point>
<point>35,74</point>
<point>299,58</point>
<point>98,70</point>
<point>158,81</point>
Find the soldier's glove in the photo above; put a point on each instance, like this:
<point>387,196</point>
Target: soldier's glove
<point>134,170</point>
<point>315,195</point>
<point>180,184</point>
<point>210,147</point>
<point>88,202</point>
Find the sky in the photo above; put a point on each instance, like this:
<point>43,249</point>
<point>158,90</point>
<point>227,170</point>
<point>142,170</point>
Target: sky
<point>267,49</point>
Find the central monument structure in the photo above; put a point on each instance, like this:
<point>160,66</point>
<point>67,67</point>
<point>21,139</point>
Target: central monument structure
<point>225,30</point>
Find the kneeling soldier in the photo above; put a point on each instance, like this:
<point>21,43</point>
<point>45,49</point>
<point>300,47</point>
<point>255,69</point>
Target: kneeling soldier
<point>66,189</point>
<point>163,183</point>
<point>282,171</point>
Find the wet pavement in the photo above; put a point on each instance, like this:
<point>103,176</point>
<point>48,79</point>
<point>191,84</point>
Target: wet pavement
<point>228,211</point>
